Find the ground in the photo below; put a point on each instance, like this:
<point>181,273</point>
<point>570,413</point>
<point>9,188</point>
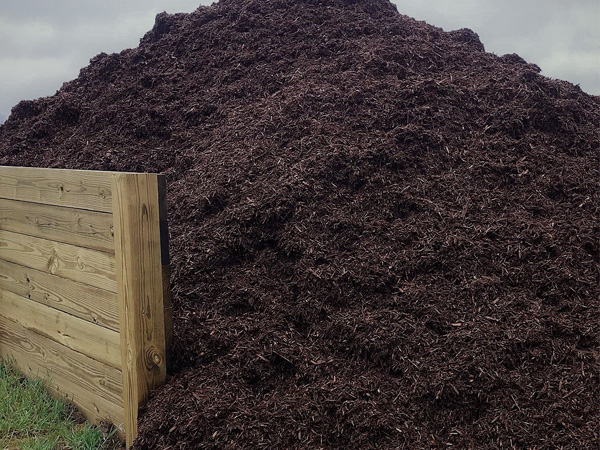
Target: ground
<point>31,419</point>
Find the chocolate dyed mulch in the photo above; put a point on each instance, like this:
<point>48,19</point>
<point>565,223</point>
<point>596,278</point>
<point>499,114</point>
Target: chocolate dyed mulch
<point>382,236</point>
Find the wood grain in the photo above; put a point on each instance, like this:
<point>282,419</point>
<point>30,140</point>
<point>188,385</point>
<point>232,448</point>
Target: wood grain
<point>140,290</point>
<point>90,384</point>
<point>81,300</point>
<point>71,188</point>
<point>64,260</point>
<point>96,342</point>
<point>85,285</point>
<point>79,227</point>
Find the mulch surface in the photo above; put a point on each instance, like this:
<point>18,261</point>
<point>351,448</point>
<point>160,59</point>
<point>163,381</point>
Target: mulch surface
<point>382,236</point>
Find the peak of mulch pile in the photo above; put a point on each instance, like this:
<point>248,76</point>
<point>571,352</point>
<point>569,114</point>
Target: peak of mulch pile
<point>382,236</point>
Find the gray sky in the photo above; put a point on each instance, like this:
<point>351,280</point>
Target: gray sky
<point>44,43</point>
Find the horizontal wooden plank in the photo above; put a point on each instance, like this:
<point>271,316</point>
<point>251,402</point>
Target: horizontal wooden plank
<point>93,414</point>
<point>78,299</point>
<point>64,260</point>
<point>94,387</point>
<point>92,340</point>
<point>71,188</point>
<point>79,227</point>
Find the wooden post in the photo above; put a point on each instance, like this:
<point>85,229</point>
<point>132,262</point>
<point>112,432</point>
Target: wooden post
<point>166,268</point>
<point>140,288</point>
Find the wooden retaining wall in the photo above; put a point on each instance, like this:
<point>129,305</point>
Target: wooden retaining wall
<point>84,296</point>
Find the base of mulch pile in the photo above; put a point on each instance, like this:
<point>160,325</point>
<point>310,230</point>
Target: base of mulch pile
<point>382,236</point>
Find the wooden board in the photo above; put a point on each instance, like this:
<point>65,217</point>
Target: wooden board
<point>79,227</point>
<point>140,289</point>
<point>96,342</point>
<point>92,385</point>
<point>71,188</point>
<point>81,300</point>
<point>166,267</point>
<point>67,261</point>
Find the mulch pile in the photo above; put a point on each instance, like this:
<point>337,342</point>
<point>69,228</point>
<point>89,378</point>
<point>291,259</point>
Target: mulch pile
<point>382,236</point>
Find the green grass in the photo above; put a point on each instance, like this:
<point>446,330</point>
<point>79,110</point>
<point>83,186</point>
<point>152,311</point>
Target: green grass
<point>31,419</point>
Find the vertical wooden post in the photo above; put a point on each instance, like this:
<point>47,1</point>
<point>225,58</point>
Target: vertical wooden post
<point>140,286</point>
<point>166,267</point>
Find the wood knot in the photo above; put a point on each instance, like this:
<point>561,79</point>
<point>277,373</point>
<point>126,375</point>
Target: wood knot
<point>52,264</point>
<point>153,358</point>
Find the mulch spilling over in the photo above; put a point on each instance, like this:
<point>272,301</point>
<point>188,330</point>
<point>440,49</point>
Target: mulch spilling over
<point>382,236</point>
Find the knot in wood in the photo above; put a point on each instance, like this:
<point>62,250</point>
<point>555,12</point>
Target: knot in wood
<point>153,358</point>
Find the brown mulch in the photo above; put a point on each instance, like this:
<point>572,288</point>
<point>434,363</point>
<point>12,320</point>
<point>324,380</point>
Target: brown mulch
<point>382,236</point>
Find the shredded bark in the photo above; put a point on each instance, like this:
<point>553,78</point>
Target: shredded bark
<point>383,237</point>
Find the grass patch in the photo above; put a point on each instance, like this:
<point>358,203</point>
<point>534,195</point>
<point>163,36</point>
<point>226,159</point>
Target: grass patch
<point>31,419</point>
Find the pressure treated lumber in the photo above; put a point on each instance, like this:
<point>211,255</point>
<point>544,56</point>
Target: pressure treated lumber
<point>140,289</point>
<point>166,267</point>
<point>85,286</point>
<point>79,227</point>
<point>84,337</point>
<point>92,385</point>
<point>71,188</point>
<point>81,300</point>
<point>67,261</point>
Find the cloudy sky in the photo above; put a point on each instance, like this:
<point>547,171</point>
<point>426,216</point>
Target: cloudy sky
<point>44,43</point>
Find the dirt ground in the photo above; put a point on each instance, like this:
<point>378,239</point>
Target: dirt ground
<point>383,237</point>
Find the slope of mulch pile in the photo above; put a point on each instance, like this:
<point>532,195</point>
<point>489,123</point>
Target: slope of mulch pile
<point>382,236</point>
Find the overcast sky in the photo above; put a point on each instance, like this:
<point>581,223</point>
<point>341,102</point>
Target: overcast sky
<point>44,43</point>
